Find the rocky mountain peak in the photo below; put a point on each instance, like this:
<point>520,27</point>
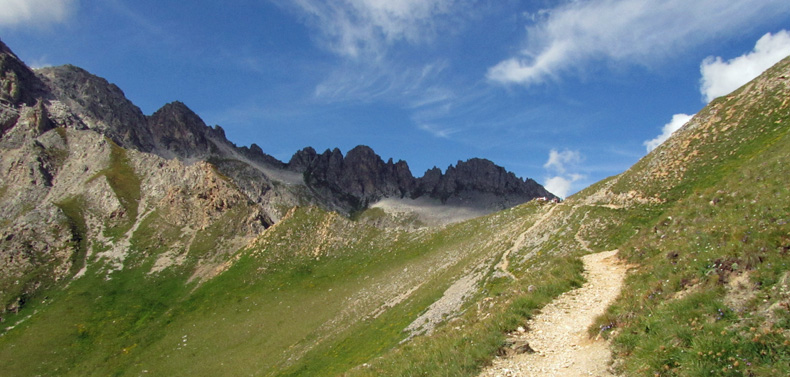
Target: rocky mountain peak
<point>302,159</point>
<point>100,106</point>
<point>178,130</point>
<point>362,177</point>
<point>18,84</point>
<point>77,99</point>
<point>478,182</point>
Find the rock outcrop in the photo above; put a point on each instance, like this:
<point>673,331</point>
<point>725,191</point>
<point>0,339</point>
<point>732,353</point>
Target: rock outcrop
<point>476,176</point>
<point>98,105</point>
<point>180,132</point>
<point>362,178</point>
<point>353,181</point>
<point>81,183</point>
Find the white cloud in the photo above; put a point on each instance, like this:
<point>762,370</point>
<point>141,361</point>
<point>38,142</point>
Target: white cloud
<point>577,33</point>
<point>356,28</point>
<point>438,131</point>
<point>559,160</point>
<point>558,186</point>
<point>678,120</point>
<point>562,166</point>
<point>720,78</point>
<point>35,12</point>
<point>561,185</point>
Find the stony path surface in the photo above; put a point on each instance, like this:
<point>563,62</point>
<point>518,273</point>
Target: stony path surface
<point>559,333</point>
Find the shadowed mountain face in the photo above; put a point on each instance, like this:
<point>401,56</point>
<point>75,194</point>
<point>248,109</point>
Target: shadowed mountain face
<point>363,178</point>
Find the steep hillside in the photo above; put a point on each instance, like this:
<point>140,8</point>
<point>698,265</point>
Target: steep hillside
<point>710,296</point>
<point>70,196</point>
<point>702,220</point>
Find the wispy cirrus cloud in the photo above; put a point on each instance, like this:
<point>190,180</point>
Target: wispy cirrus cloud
<point>438,131</point>
<point>15,13</point>
<point>578,33</point>
<point>381,49</point>
<point>416,85</point>
<point>364,28</point>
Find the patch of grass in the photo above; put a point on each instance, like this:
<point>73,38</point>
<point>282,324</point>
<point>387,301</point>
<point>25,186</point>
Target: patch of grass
<point>93,328</point>
<point>208,241</point>
<point>607,228</point>
<point>126,184</point>
<point>464,346</point>
<point>680,314</point>
<point>370,214</point>
<point>74,209</point>
<point>63,133</point>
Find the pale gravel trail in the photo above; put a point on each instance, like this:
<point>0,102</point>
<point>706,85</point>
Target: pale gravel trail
<point>558,333</point>
<point>504,264</point>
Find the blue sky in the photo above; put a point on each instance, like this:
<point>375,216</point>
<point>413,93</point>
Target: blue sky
<point>564,92</point>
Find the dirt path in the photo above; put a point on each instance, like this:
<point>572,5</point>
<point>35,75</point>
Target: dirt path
<point>505,263</point>
<point>559,333</point>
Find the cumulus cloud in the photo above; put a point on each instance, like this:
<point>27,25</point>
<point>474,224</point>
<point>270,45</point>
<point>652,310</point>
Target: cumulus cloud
<point>35,12</point>
<point>577,33</point>
<point>678,120</point>
<point>354,28</point>
<point>560,185</point>
<point>559,160</point>
<point>721,77</point>
<point>561,167</point>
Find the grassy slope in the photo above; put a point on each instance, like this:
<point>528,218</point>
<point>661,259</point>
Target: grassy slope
<point>715,326</point>
<point>274,303</point>
<point>710,296</point>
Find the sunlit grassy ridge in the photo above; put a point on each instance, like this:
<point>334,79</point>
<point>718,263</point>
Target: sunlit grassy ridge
<point>710,295</point>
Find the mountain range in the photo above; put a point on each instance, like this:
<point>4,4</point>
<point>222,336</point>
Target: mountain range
<point>152,245</point>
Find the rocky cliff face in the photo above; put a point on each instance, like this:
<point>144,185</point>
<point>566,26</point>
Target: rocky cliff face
<point>362,178</point>
<point>179,132</point>
<point>356,180</point>
<point>18,84</point>
<point>71,194</point>
<point>97,105</point>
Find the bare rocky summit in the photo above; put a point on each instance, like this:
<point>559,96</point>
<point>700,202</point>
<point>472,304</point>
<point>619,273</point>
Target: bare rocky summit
<point>362,178</point>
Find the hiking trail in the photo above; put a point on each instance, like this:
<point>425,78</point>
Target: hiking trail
<point>558,334</point>
<point>504,264</point>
